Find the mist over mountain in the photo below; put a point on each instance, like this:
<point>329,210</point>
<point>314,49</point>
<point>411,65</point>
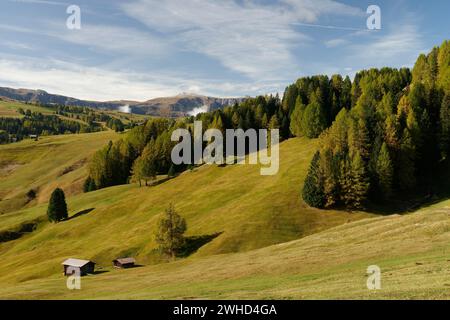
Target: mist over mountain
<point>177,106</point>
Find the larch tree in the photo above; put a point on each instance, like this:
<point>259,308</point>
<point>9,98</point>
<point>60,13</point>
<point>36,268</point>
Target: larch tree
<point>385,172</point>
<point>313,193</point>
<point>170,232</point>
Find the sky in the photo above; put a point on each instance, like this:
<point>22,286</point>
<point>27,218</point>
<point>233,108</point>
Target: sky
<point>143,49</point>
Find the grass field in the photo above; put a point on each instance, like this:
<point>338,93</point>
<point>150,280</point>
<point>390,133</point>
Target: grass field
<point>267,242</point>
<point>45,164</point>
<point>8,109</point>
<point>412,252</point>
<point>249,210</point>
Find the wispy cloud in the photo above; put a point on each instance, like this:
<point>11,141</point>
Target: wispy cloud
<point>401,44</point>
<point>247,37</point>
<point>45,2</point>
<point>95,83</point>
<point>107,38</point>
<point>336,42</point>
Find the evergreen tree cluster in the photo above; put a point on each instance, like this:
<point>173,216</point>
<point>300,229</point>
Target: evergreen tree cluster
<point>314,102</point>
<point>148,144</point>
<point>145,152</point>
<point>393,140</point>
<point>115,124</point>
<point>38,124</point>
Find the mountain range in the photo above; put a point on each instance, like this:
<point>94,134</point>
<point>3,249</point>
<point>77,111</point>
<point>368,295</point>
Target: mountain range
<point>177,106</point>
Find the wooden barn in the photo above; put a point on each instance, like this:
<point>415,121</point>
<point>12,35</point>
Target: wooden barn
<point>124,263</point>
<point>73,266</point>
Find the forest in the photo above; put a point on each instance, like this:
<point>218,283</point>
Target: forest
<point>392,141</point>
<point>382,135</point>
<point>35,123</point>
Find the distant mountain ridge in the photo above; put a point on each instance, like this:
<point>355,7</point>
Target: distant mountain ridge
<point>176,106</point>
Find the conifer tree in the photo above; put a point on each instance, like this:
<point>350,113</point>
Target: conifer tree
<point>171,172</point>
<point>313,193</point>
<point>406,167</point>
<point>444,135</point>
<point>385,171</point>
<point>360,182</point>
<point>57,207</point>
<point>313,120</point>
<point>170,232</point>
<point>296,118</point>
<point>274,122</point>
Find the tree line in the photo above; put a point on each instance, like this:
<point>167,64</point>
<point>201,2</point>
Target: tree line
<point>308,108</point>
<point>34,123</point>
<point>391,140</point>
<point>145,152</point>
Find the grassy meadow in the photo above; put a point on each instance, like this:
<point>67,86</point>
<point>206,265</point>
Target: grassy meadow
<point>263,241</point>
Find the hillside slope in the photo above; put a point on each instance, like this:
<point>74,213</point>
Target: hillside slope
<point>248,210</point>
<point>411,250</point>
<point>175,106</point>
<point>45,164</point>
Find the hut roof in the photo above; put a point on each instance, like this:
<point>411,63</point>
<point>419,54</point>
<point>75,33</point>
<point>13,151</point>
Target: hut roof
<point>125,260</point>
<point>76,262</point>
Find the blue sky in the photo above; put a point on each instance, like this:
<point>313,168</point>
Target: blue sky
<point>141,49</point>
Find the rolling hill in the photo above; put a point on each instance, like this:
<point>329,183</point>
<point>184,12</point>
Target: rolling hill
<point>252,236</point>
<point>176,106</point>
<point>411,250</point>
<point>249,211</point>
<point>42,165</point>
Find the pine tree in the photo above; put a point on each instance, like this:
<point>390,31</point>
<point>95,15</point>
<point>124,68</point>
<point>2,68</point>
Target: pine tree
<point>274,122</point>
<point>314,120</point>
<point>313,193</point>
<point>444,135</point>
<point>264,122</point>
<point>57,207</point>
<point>296,118</point>
<point>235,120</point>
<point>171,172</point>
<point>137,170</point>
<point>86,185</point>
<point>360,182</point>
<point>406,166</point>
<point>170,232</point>
<point>385,171</point>
<point>92,186</point>
<point>391,132</point>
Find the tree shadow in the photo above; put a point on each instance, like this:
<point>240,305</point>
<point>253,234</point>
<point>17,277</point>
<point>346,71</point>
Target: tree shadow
<point>130,267</point>
<point>404,205</point>
<point>79,214</point>
<point>21,230</point>
<point>192,244</point>
<point>98,272</point>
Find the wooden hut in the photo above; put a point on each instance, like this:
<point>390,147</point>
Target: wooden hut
<point>124,263</point>
<point>77,266</point>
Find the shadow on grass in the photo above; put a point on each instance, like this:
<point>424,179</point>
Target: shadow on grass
<point>79,214</point>
<point>194,243</point>
<point>404,204</point>
<point>21,230</point>
<point>98,272</point>
<point>130,267</point>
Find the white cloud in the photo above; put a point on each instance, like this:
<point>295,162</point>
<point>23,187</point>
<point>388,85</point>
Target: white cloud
<point>77,81</point>
<point>198,110</point>
<point>102,84</point>
<point>335,43</point>
<point>111,38</point>
<point>399,46</point>
<point>251,38</point>
<point>45,2</point>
